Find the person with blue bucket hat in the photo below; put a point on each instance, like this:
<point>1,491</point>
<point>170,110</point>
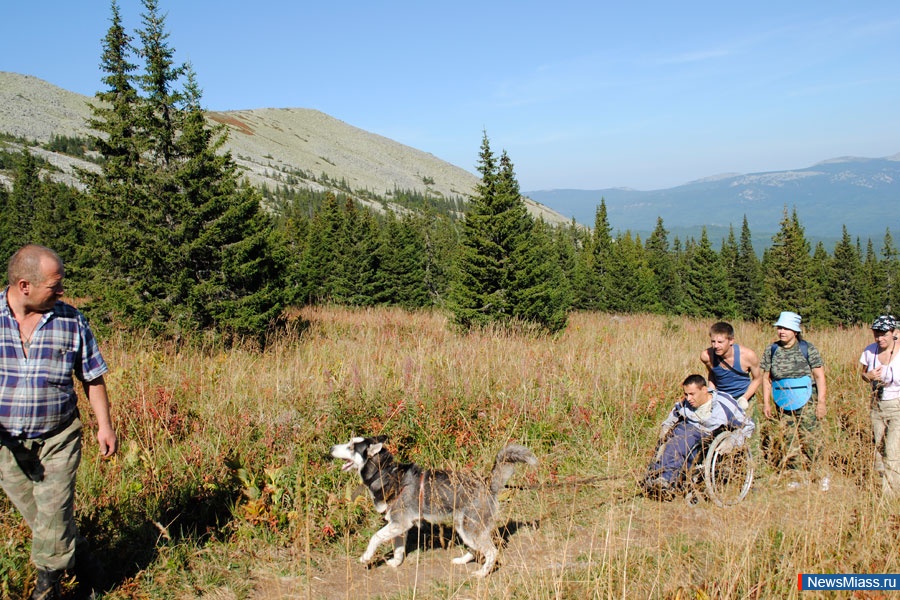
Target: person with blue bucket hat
<point>794,394</point>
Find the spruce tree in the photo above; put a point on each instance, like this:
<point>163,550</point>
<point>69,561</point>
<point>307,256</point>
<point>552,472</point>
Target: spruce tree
<point>114,115</point>
<point>159,114</point>
<point>728,258</point>
<point>871,278</point>
<point>844,290</point>
<point>401,278</point>
<point>19,211</point>
<point>631,283</point>
<point>539,291</point>
<point>40,211</point>
<point>319,263</point>
<point>231,260</point>
<point>180,242</point>
<point>787,272</point>
<point>888,290</point>
<point>357,258</point>
<point>706,289</point>
<point>478,291</point>
<point>441,241</point>
<point>602,248</point>
<point>498,274</point>
<point>820,276</point>
<point>6,234</point>
<point>566,239</point>
<point>584,292</point>
<point>662,262</point>
<point>746,278</point>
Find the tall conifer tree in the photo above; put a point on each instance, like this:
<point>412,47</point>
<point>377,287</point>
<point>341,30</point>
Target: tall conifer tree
<point>888,290</point>
<point>18,213</point>
<point>499,277</point>
<point>844,289</point>
<point>180,243</point>
<point>631,284</point>
<point>662,262</point>
<point>706,289</point>
<point>787,272</point>
<point>746,279</point>
<point>602,248</point>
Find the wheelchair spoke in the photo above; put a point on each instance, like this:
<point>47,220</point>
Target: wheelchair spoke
<point>728,477</point>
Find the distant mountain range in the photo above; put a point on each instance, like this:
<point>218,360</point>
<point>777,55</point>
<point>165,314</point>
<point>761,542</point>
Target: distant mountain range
<point>861,193</point>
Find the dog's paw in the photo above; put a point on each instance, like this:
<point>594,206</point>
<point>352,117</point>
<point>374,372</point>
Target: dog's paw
<point>396,561</point>
<point>365,558</point>
<point>481,573</point>
<point>463,560</point>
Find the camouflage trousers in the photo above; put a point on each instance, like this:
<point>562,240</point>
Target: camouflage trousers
<point>793,439</point>
<point>38,476</point>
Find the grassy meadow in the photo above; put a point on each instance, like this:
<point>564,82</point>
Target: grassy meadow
<point>222,488</point>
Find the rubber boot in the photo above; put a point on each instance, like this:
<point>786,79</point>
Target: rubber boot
<point>47,585</point>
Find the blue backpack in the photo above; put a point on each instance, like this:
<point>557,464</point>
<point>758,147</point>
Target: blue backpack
<point>804,348</point>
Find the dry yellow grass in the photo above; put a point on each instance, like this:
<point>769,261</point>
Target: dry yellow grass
<point>223,451</point>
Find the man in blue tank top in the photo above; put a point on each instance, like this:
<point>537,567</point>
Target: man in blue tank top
<point>731,368</point>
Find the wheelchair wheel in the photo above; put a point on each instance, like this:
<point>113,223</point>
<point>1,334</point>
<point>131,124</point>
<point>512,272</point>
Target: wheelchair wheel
<point>727,477</point>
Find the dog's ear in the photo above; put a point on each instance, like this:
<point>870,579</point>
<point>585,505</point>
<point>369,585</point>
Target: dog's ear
<point>380,439</point>
<point>374,449</point>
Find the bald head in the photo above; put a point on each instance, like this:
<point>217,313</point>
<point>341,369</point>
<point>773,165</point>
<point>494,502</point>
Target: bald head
<point>31,263</point>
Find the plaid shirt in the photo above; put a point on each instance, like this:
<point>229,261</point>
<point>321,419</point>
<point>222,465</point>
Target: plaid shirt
<point>37,393</point>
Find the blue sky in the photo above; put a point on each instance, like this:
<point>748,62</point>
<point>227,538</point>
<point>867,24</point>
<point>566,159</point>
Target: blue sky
<point>584,95</point>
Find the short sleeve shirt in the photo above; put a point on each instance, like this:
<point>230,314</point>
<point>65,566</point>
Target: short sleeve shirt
<point>37,392</point>
<point>790,362</point>
<point>890,373</point>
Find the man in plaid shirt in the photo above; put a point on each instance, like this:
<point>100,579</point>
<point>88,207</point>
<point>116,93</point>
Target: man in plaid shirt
<point>44,345</point>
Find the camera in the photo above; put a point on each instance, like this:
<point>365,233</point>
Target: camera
<point>877,389</point>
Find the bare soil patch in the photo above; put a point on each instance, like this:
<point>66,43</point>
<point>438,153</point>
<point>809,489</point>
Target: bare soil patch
<point>562,530</point>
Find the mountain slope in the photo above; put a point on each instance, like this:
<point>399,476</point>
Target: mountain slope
<point>292,146</point>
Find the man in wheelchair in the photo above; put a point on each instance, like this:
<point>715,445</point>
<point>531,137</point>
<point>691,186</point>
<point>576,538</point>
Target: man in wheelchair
<point>692,424</point>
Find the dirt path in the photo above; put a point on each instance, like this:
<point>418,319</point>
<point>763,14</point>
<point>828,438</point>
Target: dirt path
<point>563,529</point>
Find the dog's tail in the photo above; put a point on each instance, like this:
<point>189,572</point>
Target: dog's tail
<point>505,465</point>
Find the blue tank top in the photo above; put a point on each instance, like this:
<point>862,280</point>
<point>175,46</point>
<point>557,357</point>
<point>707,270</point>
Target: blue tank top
<point>731,381</point>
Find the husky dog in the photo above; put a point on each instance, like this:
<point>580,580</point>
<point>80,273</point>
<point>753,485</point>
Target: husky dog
<point>408,495</point>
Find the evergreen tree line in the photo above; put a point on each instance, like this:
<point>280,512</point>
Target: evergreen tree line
<point>487,267</point>
<point>166,236</point>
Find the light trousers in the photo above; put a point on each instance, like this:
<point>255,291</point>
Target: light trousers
<point>886,433</point>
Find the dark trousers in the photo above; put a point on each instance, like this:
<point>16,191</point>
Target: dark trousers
<point>678,452</point>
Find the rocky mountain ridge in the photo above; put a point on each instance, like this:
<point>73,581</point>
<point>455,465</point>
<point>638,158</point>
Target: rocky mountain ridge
<point>293,147</point>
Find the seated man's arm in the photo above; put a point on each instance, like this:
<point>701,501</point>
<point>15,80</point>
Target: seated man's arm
<point>669,423</point>
<point>742,424</point>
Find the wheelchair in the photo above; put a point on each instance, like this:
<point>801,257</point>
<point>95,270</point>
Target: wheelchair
<point>723,478</point>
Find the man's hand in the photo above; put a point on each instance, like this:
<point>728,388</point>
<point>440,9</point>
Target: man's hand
<point>742,402</point>
<point>728,445</point>
<point>664,432</point>
<point>109,442</point>
<point>820,410</point>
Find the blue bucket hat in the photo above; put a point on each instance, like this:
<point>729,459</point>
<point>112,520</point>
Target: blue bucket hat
<point>789,320</point>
